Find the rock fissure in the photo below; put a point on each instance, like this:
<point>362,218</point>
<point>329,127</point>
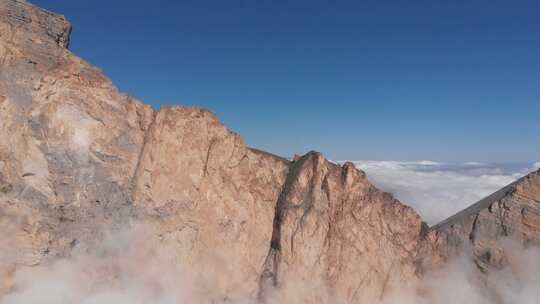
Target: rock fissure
<point>269,274</point>
<point>208,154</point>
<point>141,153</point>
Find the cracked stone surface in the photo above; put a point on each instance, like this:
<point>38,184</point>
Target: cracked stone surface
<point>211,197</point>
<point>78,158</point>
<point>336,232</point>
<point>512,213</point>
<point>70,141</point>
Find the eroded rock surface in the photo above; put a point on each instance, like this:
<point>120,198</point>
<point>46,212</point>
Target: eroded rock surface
<point>78,159</point>
<point>210,196</point>
<point>82,158</point>
<point>510,217</point>
<point>70,141</point>
<point>336,237</point>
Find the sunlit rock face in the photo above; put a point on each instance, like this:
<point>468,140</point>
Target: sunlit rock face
<point>211,198</point>
<point>70,141</point>
<point>338,237</point>
<point>510,214</point>
<point>80,160</point>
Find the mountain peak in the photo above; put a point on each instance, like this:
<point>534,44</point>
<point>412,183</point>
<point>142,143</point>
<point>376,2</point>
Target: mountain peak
<point>29,25</point>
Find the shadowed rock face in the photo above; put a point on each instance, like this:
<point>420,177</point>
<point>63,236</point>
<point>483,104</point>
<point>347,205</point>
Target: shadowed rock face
<point>512,213</point>
<point>79,159</point>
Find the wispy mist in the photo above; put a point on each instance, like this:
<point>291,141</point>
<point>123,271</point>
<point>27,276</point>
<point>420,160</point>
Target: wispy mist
<point>130,267</point>
<point>460,281</point>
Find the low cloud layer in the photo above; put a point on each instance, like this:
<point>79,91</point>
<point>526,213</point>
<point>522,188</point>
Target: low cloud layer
<point>438,190</point>
<point>130,267</point>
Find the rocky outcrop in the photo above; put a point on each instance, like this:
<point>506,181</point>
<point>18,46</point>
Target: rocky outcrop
<point>33,26</point>
<point>70,141</point>
<point>211,198</point>
<point>336,237</point>
<point>82,158</point>
<point>511,214</point>
<point>78,159</point>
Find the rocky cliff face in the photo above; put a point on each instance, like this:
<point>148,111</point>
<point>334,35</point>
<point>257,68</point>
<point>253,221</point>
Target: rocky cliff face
<point>510,214</point>
<point>336,233</point>
<point>70,141</point>
<point>211,198</point>
<point>79,159</point>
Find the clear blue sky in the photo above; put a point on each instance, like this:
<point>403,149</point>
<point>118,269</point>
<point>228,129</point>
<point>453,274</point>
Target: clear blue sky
<point>406,80</point>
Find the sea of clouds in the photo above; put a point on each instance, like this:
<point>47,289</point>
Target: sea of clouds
<point>438,190</point>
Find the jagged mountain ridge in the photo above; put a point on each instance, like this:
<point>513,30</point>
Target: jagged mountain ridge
<point>79,158</point>
<point>513,212</point>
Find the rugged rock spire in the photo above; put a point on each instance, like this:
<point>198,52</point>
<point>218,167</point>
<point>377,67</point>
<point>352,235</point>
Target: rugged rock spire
<point>335,232</point>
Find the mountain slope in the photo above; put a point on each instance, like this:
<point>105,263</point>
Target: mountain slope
<point>79,159</point>
<point>512,213</point>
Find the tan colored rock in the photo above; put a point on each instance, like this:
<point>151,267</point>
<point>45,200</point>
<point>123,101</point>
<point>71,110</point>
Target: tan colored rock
<point>511,214</point>
<point>79,159</point>
<point>70,141</point>
<point>338,237</point>
<point>212,198</point>
<point>84,158</point>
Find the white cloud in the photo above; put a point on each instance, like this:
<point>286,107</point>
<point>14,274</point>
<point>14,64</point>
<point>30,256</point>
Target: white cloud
<point>438,190</point>
<point>459,282</point>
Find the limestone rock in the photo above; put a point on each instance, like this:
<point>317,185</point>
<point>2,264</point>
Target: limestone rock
<point>511,214</point>
<point>78,158</point>
<point>210,196</point>
<point>36,26</point>
<point>82,158</point>
<point>70,141</point>
<point>339,237</point>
